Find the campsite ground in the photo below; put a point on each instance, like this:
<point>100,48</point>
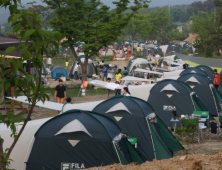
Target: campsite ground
<point>208,153</point>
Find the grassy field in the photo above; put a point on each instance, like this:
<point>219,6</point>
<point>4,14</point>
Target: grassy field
<point>195,64</point>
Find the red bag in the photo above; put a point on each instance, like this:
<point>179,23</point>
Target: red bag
<point>217,79</point>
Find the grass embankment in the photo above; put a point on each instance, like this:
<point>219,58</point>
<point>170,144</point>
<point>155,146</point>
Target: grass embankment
<point>195,64</point>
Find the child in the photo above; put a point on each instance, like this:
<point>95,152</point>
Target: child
<point>118,81</point>
<point>126,91</point>
<point>60,92</point>
<point>107,90</point>
<point>68,100</point>
<point>67,64</point>
<point>121,52</point>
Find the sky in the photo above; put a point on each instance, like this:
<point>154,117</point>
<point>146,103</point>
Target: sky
<point>4,14</point>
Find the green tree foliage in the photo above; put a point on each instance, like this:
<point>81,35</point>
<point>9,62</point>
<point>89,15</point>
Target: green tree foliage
<point>91,22</point>
<point>34,42</point>
<point>209,30</point>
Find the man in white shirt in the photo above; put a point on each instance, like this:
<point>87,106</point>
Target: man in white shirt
<point>157,55</point>
<point>49,62</point>
<point>76,71</point>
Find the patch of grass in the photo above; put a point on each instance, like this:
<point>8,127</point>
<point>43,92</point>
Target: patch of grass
<point>90,92</point>
<point>195,64</point>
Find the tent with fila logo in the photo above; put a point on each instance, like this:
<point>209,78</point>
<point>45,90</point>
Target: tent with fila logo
<point>80,139</point>
<point>172,95</point>
<point>205,91</point>
<point>137,118</point>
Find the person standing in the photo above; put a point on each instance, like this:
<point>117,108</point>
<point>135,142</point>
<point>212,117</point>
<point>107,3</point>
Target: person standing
<point>105,72</point>
<point>108,90</point>
<point>121,53</point>
<point>125,51</point>
<point>138,48</point>
<point>216,79</point>
<point>67,64</point>
<point>76,71</point>
<point>126,91</point>
<point>118,81</point>
<point>60,92</point>
<point>49,62</point>
<point>129,51</point>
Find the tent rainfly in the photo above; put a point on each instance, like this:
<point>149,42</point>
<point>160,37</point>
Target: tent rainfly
<point>172,95</point>
<point>136,117</point>
<point>205,91</point>
<point>193,70</point>
<point>138,63</point>
<point>57,72</point>
<point>80,138</point>
<point>91,67</point>
<point>208,70</point>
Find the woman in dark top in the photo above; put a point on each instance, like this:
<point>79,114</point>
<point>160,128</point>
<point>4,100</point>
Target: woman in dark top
<point>60,92</point>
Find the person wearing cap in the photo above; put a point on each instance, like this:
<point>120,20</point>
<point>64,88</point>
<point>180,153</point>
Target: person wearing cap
<point>60,92</point>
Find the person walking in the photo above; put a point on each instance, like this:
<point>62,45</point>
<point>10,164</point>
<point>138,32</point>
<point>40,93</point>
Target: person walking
<point>138,48</point>
<point>76,71</point>
<point>118,81</point>
<point>216,79</point>
<point>60,92</point>
<point>126,91</point>
<point>49,62</point>
<point>105,72</point>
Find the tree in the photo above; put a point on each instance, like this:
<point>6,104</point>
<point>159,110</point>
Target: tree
<point>45,12</point>
<point>209,33</point>
<point>92,22</point>
<point>177,14</point>
<point>34,42</point>
<point>135,26</point>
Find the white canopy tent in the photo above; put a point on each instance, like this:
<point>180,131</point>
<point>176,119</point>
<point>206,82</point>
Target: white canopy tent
<point>22,149</point>
<point>138,63</point>
<point>130,78</point>
<point>147,71</point>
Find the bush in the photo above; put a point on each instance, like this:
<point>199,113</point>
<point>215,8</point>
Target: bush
<point>186,52</point>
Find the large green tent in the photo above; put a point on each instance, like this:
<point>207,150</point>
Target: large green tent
<point>137,118</point>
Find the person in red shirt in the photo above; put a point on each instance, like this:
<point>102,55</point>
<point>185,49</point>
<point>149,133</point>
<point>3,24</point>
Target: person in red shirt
<point>216,79</point>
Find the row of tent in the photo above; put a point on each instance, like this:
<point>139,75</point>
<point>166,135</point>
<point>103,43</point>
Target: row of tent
<point>192,91</point>
<point>59,71</point>
<point>95,138</point>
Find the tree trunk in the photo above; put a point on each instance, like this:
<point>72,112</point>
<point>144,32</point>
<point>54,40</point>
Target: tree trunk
<point>2,164</point>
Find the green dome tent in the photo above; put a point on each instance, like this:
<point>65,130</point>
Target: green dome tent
<point>82,138</point>
<point>205,90</point>
<point>172,95</point>
<point>193,70</point>
<point>133,116</point>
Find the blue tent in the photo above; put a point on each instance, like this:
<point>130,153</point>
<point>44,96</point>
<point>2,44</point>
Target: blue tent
<point>58,72</point>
